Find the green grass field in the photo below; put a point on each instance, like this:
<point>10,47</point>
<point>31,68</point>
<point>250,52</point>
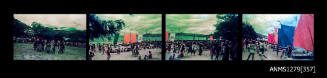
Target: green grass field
<point>23,51</point>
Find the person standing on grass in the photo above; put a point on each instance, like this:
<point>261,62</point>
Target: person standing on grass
<point>189,48</point>
<point>181,54</point>
<point>227,50</point>
<point>108,53</point>
<point>212,48</point>
<point>54,44</point>
<point>91,55</point>
<point>145,57</point>
<point>94,49</point>
<point>137,50</point>
<point>252,51</point>
<point>48,46</point>
<point>262,50</point>
<point>247,45</point>
<point>42,45</point>
<point>193,48</point>
<point>200,50</point>
<point>277,49</point>
<point>103,48</point>
<point>169,47</point>
<point>150,55</point>
<point>59,47</point>
<point>183,48</point>
<point>283,52</point>
<point>39,45</point>
<point>118,50</point>
<point>174,47</point>
<point>62,46</point>
<point>218,49</point>
<point>35,44</point>
<point>257,46</point>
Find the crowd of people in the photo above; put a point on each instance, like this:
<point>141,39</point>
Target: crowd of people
<point>193,47</point>
<point>260,47</point>
<point>47,45</point>
<point>107,48</point>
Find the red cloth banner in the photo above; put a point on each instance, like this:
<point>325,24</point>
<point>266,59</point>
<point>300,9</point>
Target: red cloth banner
<point>127,38</point>
<point>276,36</point>
<point>133,38</point>
<point>271,38</point>
<point>304,32</point>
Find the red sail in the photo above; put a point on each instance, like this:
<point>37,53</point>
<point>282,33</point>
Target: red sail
<point>133,38</point>
<point>276,36</point>
<point>127,38</point>
<point>271,38</point>
<point>211,38</point>
<point>304,32</point>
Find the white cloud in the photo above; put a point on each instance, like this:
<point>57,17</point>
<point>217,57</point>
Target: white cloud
<point>195,23</point>
<point>136,23</point>
<point>265,23</point>
<point>59,20</point>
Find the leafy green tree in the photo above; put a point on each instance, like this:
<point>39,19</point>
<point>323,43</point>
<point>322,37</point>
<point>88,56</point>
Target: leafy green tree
<point>227,28</point>
<point>49,33</point>
<point>21,29</point>
<point>77,36</point>
<point>100,27</point>
<point>248,31</point>
<point>38,28</point>
<point>120,24</point>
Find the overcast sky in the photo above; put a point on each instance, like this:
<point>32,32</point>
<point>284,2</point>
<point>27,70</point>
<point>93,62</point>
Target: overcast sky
<point>77,21</point>
<point>191,23</point>
<point>265,23</point>
<point>137,23</point>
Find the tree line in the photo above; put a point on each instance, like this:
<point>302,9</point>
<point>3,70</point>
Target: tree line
<point>46,32</point>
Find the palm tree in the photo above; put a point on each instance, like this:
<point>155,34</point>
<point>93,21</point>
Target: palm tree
<point>120,24</point>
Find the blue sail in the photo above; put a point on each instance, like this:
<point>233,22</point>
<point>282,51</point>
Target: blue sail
<point>286,35</point>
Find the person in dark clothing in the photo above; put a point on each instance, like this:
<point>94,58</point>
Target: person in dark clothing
<point>200,50</point>
<point>169,47</point>
<point>103,49</point>
<point>54,45</point>
<point>212,51</point>
<point>62,46</point>
<point>35,44</point>
<point>262,50</point>
<point>174,47</point>
<point>91,55</point>
<point>145,57</point>
<point>183,48</point>
<point>277,49</point>
<point>48,46</point>
<point>227,50</point>
<point>218,49</point>
<point>150,55</point>
<point>289,51</point>
<point>182,51</point>
<point>108,53</point>
<point>42,45</point>
<point>190,48</point>
<point>99,47</point>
